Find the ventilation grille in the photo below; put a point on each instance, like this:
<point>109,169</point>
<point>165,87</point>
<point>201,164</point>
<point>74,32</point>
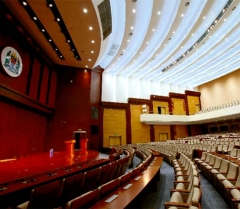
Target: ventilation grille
<point>113,49</point>
<point>104,10</point>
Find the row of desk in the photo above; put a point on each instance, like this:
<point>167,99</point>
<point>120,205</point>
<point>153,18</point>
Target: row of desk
<point>129,195</point>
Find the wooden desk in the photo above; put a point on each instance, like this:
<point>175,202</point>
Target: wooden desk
<point>125,196</point>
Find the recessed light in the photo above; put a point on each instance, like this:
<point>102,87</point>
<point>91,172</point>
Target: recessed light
<point>73,50</point>
<point>50,40</point>
<point>182,15</point>
<point>123,50</point>
<point>86,66</point>
<point>56,49</point>
<point>60,55</point>
<point>173,32</point>
<point>147,42</point>
<point>68,41</point>
<point>92,52</point>
<point>76,57</point>
<point>225,19</point>
<point>24,3</point>
<point>134,10</point>
<point>89,60</point>
<point>131,27</point>
<point>90,28</point>
<point>43,30</point>
<point>128,40</point>
<point>153,29</point>
<point>192,34</point>
<point>204,17</point>
<point>210,36</point>
<point>35,18</point>
<point>58,19</point>
<point>159,13</point>
<point>85,10</point>
<point>93,41</point>
<point>165,44</point>
<point>50,5</point>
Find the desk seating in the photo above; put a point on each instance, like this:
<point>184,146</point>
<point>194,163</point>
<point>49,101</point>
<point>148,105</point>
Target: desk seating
<point>45,196</point>
<point>108,188</point>
<point>72,187</point>
<point>104,172</point>
<point>125,178</point>
<point>113,167</point>
<point>86,200</point>
<point>91,180</point>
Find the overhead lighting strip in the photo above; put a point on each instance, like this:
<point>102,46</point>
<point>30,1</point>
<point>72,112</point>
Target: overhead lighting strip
<point>201,38</point>
<point>34,17</point>
<point>53,7</point>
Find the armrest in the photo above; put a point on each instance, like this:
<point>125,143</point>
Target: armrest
<point>230,187</point>
<point>236,200</point>
<point>175,182</point>
<point>177,204</point>
<point>179,190</point>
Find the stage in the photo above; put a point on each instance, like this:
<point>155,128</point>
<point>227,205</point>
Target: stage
<point>23,174</point>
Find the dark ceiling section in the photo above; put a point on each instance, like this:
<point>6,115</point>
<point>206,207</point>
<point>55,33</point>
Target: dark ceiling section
<point>106,18</point>
<point>58,18</point>
<point>34,17</point>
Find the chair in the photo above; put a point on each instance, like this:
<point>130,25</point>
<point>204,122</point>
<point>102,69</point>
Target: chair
<point>86,200</point>
<point>104,172</point>
<point>222,170</point>
<point>91,178</point>
<point>118,169</point>
<point>45,196</point>
<point>136,171</point>
<point>125,178</point>
<point>108,188</point>
<point>71,188</point>
<point>113,167</point>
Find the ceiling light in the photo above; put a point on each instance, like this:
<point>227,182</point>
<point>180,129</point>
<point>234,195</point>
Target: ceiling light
<point>225,19</point>
<point>43,30</point>
<point>165,44</point>
<point>153,29</point>
<point>35,18</point>
<point>24,3</point>
<point>192,34</point>
<point>134,10</point>
<point>50,40</point>
<point>181,47</point>
<point>140,52</point>
<point>159,13</point>
<point>123,50</point>
<point>210,36</point>
<point>60,55</point>
<point>182,15</point>
<point>90,28</point>
<point>89,60</point>
<point>128,40</point>
<point>92,52</point>
<point>93,41</point>
<point>50,5</point>
<point>85,10</point>
<point>68,41</point>
<point>58,19</point>
<point>73,50</point>
<point>204,17</point>
<point>147,42</point>
<point>173,32</point>
<point>76,57</point>
<point>56,49</point>
<point>131,27</point>
<point>86,66</point>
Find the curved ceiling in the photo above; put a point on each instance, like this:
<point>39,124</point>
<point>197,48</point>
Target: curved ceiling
<point>185,43</point>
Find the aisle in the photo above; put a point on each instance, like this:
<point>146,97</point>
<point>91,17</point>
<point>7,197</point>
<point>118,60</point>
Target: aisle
<point>155,200</point>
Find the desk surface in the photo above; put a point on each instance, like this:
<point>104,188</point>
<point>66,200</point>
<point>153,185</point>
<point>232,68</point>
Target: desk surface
<point>124,198</point>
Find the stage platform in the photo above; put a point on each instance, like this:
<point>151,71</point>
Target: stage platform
<point>23,174</point>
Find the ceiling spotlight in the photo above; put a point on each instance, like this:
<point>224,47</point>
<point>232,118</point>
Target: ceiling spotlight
<point>68,41</point>
<point>76,57</point>
<point>182,15</point>
<point>153,29</point>
<point>187,4</point>
<point>159,13</point>
<point>134,10</point>
<point>204,17</point>
<point>90,28</point>
<point>50,40</point>
<point>85,10</point>
<point>50,5</point>
<point>43,30</point>
<point>35,18</point>
<point>86,66</point>
<point>93,41</point>
<point>131,27</point>
<point>92,52</point>
<point>89,60</point>
<point>56,49</point>
<point>24,3</point>
<point>58,19</point>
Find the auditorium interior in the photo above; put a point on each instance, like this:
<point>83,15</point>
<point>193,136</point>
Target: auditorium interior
<point>120,104</point>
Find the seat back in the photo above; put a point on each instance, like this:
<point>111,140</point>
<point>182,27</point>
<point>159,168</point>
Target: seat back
<point>71,188</point>
<point>104,172</point>
<point>45,196</point>
<point>118,169</point>
<point>113,167</point>
<point>108,188</point>
<point>86,200</point>
<point>232,171</point>
<point>125,178</point>
<point>217,163</point>
<point>224,166</point>
<point>136,171</point>
<point>212,160</point>
<point>91,178</point>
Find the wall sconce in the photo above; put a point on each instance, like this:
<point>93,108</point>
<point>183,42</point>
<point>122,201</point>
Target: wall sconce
<point>144,108</point>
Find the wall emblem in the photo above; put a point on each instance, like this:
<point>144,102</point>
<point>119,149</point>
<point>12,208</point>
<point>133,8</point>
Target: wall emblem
<point>11,61</point>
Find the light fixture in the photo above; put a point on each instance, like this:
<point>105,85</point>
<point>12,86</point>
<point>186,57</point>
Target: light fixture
<point>58,19</point>
<point>24,3</point>
<point>159,13</point>
<point>35,18</point>
<point>90,28</point>
<point>92,52</point>
<point>85,10</point>
<point>133,10</point>
<point>93,41</point>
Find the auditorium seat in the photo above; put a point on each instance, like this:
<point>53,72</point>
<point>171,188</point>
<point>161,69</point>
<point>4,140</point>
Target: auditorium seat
<point>45,196</point>
<point>124,165</point>
<point>71,188</point>
<point>86,200</point>
<point>104,172</point>
<point>118,169</point>
<point>222,170</point>
<point>113,167</point>
<point>91,178</point>
<point>108,188</point>
<point>125,178</point>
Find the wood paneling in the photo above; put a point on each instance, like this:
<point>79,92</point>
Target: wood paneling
<point>160,129</point>
<point>162,104</point>
<point>114,123</point>
<point>179,107</point>
<point>193,104</point>
<point>140,132</point>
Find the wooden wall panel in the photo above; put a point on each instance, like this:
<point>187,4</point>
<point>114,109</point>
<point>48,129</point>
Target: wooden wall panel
<point>114,123</point>
<point>33,92</point>
<point>181,131</point>
<point>140,132</point>
<point>193,104</point>
<point>178,106</point>
<point>161,129</point>
<point>44,86</point>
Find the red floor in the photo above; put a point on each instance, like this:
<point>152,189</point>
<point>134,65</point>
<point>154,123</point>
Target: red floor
<point>41,163</point>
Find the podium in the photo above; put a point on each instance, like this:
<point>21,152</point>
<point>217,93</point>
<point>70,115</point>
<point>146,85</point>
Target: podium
<point>83,143</point>
<point>70,147</point>
<point>78,135</point>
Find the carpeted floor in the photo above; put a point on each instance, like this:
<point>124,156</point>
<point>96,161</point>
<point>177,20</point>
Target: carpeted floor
<point>155,200</point>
